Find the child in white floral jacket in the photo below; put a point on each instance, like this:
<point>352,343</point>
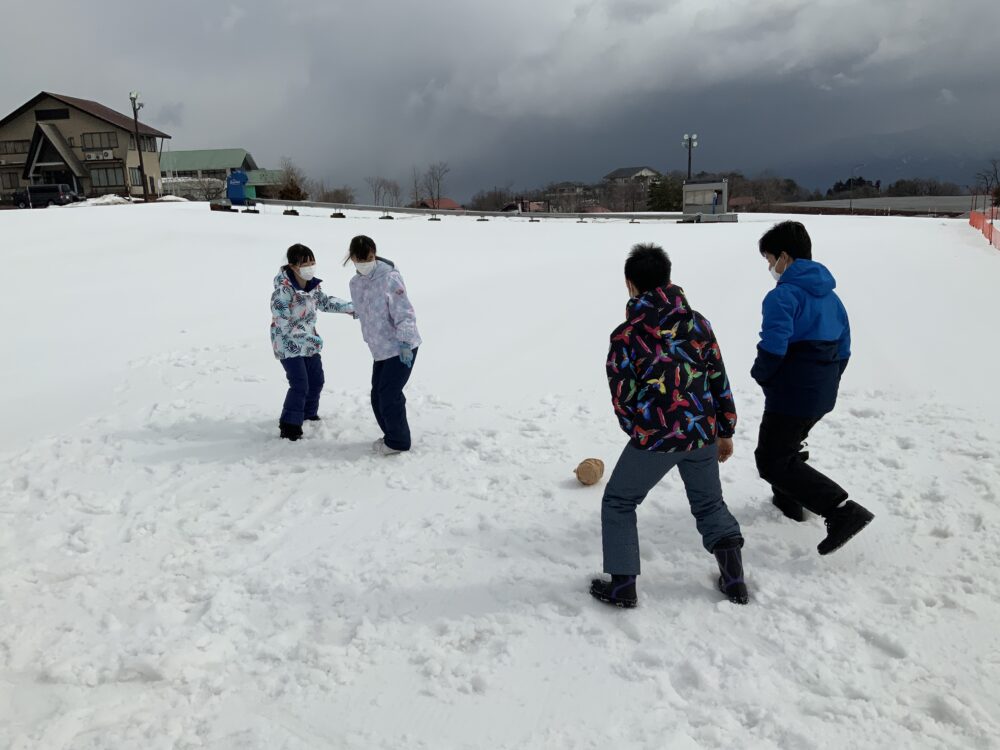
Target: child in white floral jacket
<point>294,303</point>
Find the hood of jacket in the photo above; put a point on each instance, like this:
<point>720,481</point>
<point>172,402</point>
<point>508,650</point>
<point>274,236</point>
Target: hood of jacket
<point>667,302</point>
<point>810,276</point>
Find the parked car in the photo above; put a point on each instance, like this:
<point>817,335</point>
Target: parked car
<point>41,196</point>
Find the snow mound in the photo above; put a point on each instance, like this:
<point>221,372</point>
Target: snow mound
<point>104,200</point>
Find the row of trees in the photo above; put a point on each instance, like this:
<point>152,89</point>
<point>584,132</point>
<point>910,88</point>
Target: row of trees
<point>663,194</point>
<point>425,185</point>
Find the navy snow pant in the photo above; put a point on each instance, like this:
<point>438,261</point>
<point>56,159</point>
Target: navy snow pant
<point>388,402</point>
<point>305,382</point>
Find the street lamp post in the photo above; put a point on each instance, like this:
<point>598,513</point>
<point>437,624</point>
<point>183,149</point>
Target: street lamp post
<point>136,106</point>
<point>690,142</point>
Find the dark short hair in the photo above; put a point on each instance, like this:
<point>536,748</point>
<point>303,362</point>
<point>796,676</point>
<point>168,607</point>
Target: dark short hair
<point>298,254</point>
<point>361,247</point>
<point>787,237</point>
<point>647,267</point>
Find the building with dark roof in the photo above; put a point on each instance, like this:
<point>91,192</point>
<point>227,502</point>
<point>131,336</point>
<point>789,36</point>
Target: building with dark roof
<point>444,204</point>
<point>626,175</point>
<point>81,143</point>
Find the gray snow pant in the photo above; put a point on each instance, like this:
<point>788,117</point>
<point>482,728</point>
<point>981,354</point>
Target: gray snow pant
<point>635,474</point>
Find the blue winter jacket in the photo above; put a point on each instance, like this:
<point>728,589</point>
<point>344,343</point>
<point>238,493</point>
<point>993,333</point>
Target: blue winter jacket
<point>805,342</point>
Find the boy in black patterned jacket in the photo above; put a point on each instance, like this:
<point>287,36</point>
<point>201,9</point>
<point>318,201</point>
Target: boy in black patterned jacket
<point>672,398</point>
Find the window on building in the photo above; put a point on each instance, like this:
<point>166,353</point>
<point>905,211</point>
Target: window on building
<point>214,174</point>
<point>14,147</point>
<point>134,177</point>
<point>107,177</point>
<point>51,114</point>
<point>187,173</point>
<point>148,143</point>
<point>100,140</point>
<point>8,180</point>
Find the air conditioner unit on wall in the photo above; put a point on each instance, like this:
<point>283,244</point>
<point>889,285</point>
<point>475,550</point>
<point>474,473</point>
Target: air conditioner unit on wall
<point>3,162</point>
<point>90,156</point>
<point>108,154</point>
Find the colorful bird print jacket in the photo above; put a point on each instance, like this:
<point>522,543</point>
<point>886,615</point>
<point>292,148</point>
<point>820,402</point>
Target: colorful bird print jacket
<point>668,383</point>
<point>293,315</point>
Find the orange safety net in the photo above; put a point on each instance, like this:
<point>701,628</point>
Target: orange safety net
<point>984,222</point>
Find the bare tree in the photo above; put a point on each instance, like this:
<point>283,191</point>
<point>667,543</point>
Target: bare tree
<point>343,194</point>
<point>377,186</point>
<point>494,199</point>
<point>208,189</point>
<point>993,184</point>
<point>985,182</point>
<point>434,180</point>
<point>416,191</point>
<point>634,196</point>
<point>393,192</point>
<point>323,194</point>
<point>294,184</point>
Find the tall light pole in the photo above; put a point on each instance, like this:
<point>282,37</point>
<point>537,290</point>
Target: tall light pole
<point>690,142</point>
<point>136,106</point>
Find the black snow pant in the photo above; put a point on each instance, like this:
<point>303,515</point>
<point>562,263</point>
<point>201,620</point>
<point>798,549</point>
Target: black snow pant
<point>781,461</point>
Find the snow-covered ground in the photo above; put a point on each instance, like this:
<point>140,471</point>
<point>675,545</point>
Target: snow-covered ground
<point>172,575</point>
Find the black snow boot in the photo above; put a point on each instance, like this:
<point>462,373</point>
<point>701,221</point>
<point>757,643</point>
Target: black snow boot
<point>727,554</point>
<point>290,431</point>
<point>843,523</point>
<point>619,591</point>
<point>314,419</point>
<point>789,507</point>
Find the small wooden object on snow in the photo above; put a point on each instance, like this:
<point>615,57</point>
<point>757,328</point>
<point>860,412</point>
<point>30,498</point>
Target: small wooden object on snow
<point>590,471</point>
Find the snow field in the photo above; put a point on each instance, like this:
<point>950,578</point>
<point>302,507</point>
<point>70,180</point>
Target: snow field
<point>174,576</point>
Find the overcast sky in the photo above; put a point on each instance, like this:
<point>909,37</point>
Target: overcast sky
<point>526,92</point>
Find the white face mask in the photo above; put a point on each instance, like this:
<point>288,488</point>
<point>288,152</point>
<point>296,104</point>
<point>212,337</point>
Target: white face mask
<point>365,268</point>
<point>774,270</point>
<point>307,272</point>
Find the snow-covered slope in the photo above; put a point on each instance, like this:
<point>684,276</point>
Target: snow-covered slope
<point>172,575</point>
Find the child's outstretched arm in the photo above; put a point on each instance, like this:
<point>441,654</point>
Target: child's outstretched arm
<point>326,303</point>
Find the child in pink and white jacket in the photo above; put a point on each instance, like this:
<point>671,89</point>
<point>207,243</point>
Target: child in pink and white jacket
<point>389,327</point>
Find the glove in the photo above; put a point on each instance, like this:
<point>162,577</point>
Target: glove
<point>406,355</point>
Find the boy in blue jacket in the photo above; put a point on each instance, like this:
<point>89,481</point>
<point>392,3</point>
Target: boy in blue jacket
<point>805,344</point>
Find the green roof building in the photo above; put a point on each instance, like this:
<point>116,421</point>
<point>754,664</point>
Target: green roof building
<point>216,163</point>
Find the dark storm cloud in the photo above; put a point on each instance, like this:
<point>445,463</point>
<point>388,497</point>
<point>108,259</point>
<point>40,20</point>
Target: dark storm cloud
<point>525,92</point>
